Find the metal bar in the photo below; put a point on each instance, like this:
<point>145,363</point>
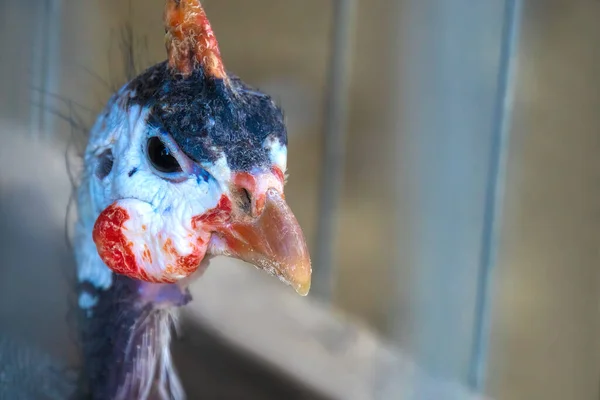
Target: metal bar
<point>334,145</point>
<point>53,62</point>
<point>447,105</point>
<point>38,66</point>
<point>45,65</point>
<point>495,192</point>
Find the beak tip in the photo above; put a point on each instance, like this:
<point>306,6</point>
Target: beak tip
<point>301,282</point>
<point>303,288</point>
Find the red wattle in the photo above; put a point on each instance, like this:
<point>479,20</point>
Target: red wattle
<point>113,247</point>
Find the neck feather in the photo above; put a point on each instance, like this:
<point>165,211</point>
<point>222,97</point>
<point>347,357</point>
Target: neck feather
<point>126,345</point>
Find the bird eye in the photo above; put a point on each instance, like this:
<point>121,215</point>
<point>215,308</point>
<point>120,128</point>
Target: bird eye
<point>160,157</point>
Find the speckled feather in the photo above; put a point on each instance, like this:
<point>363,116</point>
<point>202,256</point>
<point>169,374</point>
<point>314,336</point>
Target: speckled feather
<point>127,352</point>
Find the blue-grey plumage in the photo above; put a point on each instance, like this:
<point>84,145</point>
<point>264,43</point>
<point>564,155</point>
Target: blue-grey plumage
<point>28,373</point>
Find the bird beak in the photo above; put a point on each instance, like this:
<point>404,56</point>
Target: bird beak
<point>272,241</point>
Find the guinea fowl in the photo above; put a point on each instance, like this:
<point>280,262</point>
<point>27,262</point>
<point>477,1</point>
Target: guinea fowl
<point>187,162</point>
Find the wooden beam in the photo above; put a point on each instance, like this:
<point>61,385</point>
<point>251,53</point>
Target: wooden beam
<point>309,341</point>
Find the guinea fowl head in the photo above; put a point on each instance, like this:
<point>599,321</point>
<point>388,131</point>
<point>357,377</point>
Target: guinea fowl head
<point>185,163</point>
<point>197,162</point>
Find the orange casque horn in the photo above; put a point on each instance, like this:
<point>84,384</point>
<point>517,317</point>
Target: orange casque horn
<point>190,40</point>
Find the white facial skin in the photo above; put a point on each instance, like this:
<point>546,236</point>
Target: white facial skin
<point>277,151</point>
<point>160,210</point>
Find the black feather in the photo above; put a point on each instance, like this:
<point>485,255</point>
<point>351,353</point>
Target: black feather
<point>207,116</point>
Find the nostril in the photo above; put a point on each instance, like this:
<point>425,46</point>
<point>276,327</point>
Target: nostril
<point>246,191</point>
<point>247,196</point>
<point>245,200</point>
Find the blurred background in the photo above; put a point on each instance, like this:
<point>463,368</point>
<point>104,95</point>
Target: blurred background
<point>443,161</point>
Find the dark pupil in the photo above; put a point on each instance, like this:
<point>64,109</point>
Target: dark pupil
<point>160,158</point>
